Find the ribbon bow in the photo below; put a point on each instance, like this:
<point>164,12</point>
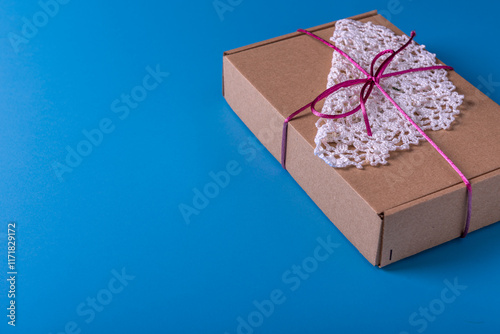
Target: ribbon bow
<point>371,80</point>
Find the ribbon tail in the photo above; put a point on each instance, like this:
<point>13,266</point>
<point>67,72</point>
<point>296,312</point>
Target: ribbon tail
<point>362,100</point>
<point>367,121</point>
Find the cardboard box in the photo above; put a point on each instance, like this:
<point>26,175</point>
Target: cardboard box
<point>389,212</point>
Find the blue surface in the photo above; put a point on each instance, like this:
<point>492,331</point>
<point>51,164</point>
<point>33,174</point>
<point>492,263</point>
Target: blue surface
<point>115,213</point>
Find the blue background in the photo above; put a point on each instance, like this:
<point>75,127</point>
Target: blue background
<point>118,208</point>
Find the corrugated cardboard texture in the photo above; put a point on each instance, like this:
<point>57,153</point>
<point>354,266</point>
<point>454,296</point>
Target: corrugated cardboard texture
<point>267,81</point>
<point>431,221</point>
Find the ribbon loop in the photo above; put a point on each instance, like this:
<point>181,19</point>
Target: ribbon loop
<point>375,60</point>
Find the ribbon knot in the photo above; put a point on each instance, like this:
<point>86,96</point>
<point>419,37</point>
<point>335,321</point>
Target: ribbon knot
<point>371,81</point>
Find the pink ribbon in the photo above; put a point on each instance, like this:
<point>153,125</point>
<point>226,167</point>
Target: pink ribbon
<point>373,79</point>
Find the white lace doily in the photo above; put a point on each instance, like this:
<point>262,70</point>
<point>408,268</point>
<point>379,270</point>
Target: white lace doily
<point>428,97</point>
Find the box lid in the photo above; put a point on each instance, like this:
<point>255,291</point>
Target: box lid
<point>291,70</point>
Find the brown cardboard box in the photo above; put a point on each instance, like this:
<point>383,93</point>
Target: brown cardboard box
<point>389,212</point>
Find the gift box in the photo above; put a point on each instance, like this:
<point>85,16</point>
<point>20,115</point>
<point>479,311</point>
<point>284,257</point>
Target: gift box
<point>390,211</point>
